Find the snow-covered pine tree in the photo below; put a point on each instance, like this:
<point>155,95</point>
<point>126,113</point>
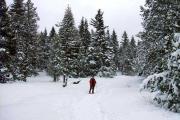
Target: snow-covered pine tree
<point>52,33</point>
<point>101,58</point>
<point>18,25</point>
<point>5,42</point>
<point>91,60</point>
<point>125,55</point>
<point>31,36</point>
<point>43,51</point>
<point>158,23</point>
<point>115,48</point>
<point>70,43</point>
<point>173,98</point>
<point>133,49</point>
<point>54,67</point>
<point>165,83</point>
<point>85,37</point>
<point>140,60</point>
<point>111,54</point>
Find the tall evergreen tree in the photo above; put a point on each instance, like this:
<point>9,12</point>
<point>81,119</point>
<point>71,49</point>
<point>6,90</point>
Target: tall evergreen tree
<point>162,53</point>
<point>54,67</point>
<point>115,48</point>
<point>101,58</point>
<point>31,36</point>
<point>52,33</point>
<point>5,42</point>
<point>125,55</point>
<point>70,43</point>
<point>173,98</point>
<point>43,50</point>
<point>133,55</point>
<point>133,47</point>
<point>110,53</point>
<point>18,24</point>
<point>159,18</point>
<point>85,37</point>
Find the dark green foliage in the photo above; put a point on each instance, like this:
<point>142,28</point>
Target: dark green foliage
<point>85,37</point>
<point>31,37</point>
<point>52,33</point>
<point>126,59</point>
<point>159,18</point>
<point>18,23</point>
<point>162,52</point>
<point>115,48</point>
<point>5,43</point>
<point>70,43</point>
<point>101,57</point>
<point>43,50</point>
<point>54,67</point>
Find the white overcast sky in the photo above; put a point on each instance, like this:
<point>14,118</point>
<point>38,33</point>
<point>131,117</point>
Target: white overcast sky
<point>118,14</point>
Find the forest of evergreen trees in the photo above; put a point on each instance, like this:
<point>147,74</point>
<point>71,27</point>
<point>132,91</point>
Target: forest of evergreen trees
<point>76,52</point>
<point>79,52</point>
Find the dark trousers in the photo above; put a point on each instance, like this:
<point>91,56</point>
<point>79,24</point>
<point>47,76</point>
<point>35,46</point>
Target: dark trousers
<point>91,89</point>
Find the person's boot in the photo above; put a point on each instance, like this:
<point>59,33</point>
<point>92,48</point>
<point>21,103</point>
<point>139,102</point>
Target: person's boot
<point>92,91</point>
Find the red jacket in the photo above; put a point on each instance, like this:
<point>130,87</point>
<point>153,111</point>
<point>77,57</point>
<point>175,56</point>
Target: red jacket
<point>92,82</point>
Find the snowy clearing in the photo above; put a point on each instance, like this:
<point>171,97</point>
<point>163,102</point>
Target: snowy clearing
<point>114,99</point>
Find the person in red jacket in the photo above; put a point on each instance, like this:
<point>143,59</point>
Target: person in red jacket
<point>92,83</point>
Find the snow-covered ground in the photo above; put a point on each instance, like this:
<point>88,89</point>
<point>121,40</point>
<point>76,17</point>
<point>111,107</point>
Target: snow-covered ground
<point>114,99</point>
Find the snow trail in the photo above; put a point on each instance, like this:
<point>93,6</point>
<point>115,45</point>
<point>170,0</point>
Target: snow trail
<point>114,99</point>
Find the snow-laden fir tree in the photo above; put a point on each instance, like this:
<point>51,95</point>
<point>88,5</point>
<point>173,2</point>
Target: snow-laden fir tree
<point>5,42</point>
<point>52,33</point>
<point>54,67</point>
<point>166,85</point>
<point>70,42</point>
<point>115,48</point>
<point>140,59</point>
<point>163,52</point>
<point>173,99</point>
<point>100,57</point>
<point>18,25</point>
<point>43,50</point>
<point>85,37</point>
<point>125,55</point>
<point>158,23</point>
<point>91,60</point>
<point>133,55</point>
<point>133,48</point>
<point>111,53</point>
<point>31,36</point>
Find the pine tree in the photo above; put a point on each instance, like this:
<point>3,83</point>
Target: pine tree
<point>125,55</point>
<point>84,47</point>
<point>162,53</point>
<point>159,18</point>
<point>18,24</point>
<point>133,54</point>
<point>5,42</point>
<point>133,47</point>
<point>111,54</point>
<point>43,50</point>
<point>115,48</point>
<point>70,43</point>
<point>140,60</point>
<point>173,98</point>
<point>31,37</point>
<point>52,33</point>
<point>54,67</point>
<point>101,58</point>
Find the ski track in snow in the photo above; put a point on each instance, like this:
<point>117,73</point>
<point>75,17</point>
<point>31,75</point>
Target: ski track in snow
<point>114,99</point>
